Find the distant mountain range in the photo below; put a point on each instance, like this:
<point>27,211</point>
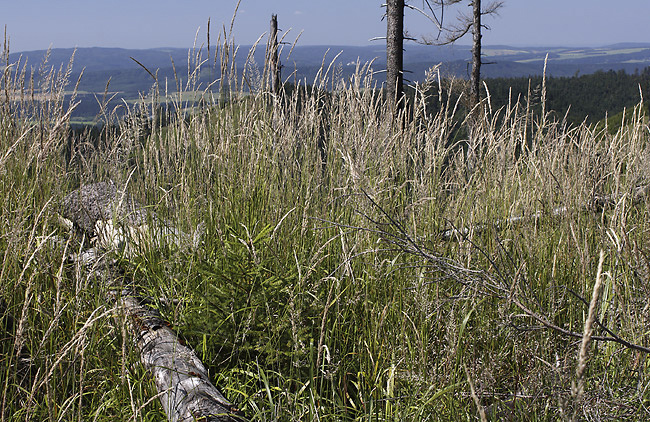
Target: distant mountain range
<point>129,78</point>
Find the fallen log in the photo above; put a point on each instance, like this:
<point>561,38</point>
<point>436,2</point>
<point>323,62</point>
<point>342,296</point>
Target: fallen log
<point>597,203</point>
<point>116,221</point>
<point>462,233</point>
<point>182,381</point>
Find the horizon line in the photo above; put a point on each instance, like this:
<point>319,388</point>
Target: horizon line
<point>616,44</point>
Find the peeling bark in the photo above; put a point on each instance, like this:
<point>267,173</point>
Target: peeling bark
<point>475,84</point>
<point>394,52</point>
<point>274,60</point>
<point>182,381</point>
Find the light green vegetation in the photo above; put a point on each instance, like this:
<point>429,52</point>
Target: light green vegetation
<point>564,54</point>
<point>495,52</point>
<point>300,300</point>
<point>613,123</point>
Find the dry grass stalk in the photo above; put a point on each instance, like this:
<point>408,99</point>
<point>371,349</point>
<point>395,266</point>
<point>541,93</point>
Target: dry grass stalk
<point>237,164</point>
<point>578,387</point>
<point>477,402</point>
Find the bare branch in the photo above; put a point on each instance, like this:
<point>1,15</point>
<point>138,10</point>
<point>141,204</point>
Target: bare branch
<point>463,25</point>
<point>454,34</point>
<point>492,8</point>
<point>546,323</point>
<point>431,17</point>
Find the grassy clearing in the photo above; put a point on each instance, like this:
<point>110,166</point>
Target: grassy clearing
<point>300,300</point>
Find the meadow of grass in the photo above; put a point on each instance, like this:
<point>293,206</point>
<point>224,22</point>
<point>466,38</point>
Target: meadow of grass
<point>324,288</point>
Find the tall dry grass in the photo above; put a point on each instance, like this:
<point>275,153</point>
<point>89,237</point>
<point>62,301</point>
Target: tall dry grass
<point>299,300</point>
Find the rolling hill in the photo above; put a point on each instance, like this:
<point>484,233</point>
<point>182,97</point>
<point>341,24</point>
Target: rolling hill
<point>128,78</point>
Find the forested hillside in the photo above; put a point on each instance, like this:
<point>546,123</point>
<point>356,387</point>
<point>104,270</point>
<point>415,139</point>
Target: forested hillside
<point>589,97</point>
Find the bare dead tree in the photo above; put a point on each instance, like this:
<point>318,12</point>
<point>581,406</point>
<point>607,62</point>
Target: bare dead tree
<point>395,36</point>
<point>394,51</point>
<point>475,93</point>
<point>470,24</point>
<point>274,61</point>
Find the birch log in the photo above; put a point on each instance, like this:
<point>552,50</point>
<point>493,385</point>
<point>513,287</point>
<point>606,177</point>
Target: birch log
<point>115,219</point>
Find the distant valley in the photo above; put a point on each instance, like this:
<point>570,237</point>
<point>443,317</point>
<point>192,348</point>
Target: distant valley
<point>128,78</point>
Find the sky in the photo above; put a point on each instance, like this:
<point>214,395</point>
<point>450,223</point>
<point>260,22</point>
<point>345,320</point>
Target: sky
<point>40,24</point>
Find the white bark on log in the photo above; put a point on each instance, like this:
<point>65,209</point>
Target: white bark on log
<point>181,379</point>
<point>101,201</point>
<point>451,234</point>
<point>117,221</point>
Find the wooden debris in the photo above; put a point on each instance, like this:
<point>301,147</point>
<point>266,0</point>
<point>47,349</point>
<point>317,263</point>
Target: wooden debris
<point>597,203</point>
<point>114,220</point>
<point>119,223</point>
<point>181,379</point>
<point>101,201</point>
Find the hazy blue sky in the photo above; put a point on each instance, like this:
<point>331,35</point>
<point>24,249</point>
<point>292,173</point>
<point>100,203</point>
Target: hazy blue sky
<point>37,24</point>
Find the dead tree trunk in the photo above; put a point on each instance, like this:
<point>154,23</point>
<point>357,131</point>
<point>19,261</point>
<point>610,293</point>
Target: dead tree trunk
<point>274,61</point>
<point>394,52</point>
<point>182,381</point>
<point>476,54</point>
<point>103,211</point>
